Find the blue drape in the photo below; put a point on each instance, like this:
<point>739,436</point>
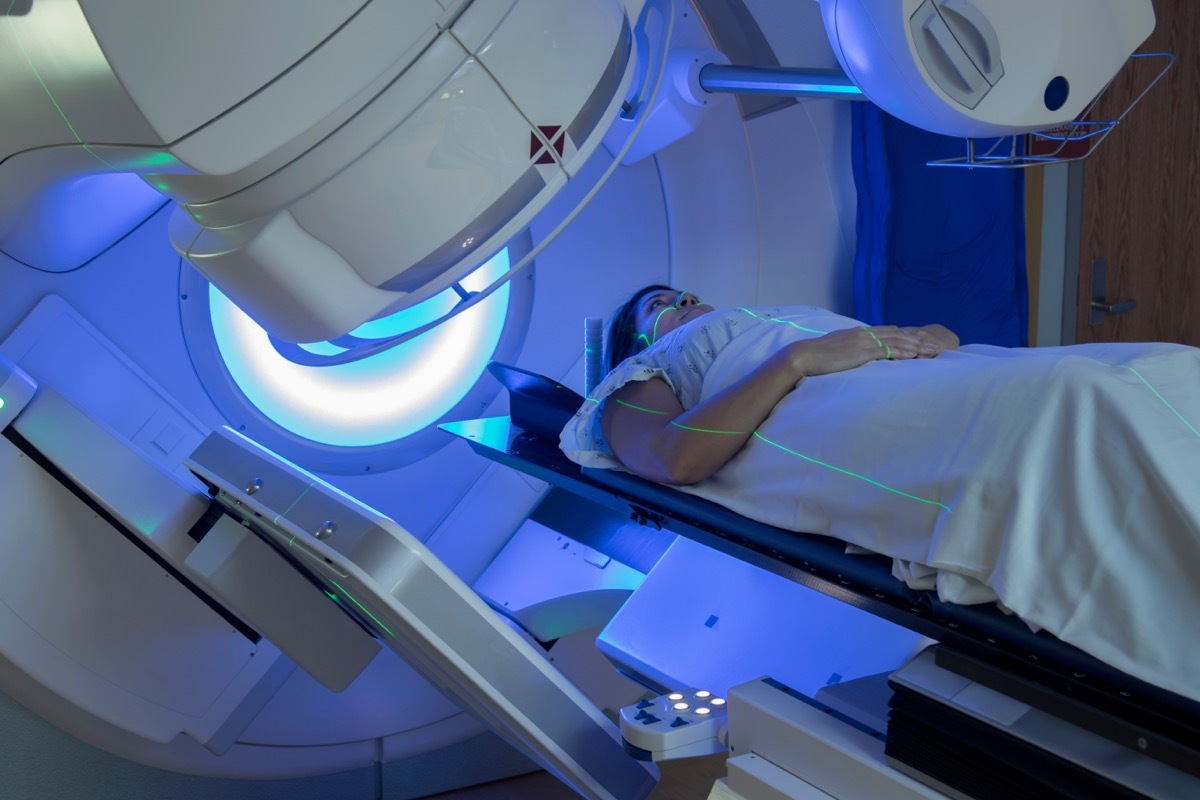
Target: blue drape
<point>936,244</point>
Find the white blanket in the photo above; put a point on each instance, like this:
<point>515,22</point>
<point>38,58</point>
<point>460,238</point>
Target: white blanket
<point>1062,482</point>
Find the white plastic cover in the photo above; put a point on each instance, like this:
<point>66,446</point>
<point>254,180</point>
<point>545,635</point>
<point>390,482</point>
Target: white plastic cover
<point>396,588</point>
<point>980,68</point>
<point>333,161</point>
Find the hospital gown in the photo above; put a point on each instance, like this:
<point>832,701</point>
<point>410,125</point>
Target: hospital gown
<point>1063,483</point>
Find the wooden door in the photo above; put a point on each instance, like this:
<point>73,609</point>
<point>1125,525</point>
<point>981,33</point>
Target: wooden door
<point>1141,194</point>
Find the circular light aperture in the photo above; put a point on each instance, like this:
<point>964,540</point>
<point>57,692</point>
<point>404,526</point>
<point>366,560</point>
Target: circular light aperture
<point>378,399</point>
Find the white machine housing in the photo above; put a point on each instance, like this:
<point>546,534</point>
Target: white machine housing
<point>985,68</point>
<point>369,155</point>
<point>409,600</point>
<point>349,164</point>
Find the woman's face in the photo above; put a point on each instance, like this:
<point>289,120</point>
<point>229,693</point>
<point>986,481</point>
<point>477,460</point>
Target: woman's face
<point>660,312</point>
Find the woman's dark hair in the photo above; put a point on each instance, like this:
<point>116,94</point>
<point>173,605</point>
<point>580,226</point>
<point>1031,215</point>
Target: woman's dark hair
<point>622,336</point>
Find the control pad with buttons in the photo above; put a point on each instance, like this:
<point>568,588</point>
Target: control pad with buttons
<point>680,724</point>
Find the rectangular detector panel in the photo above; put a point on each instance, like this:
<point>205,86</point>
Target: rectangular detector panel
<point>389,582</point>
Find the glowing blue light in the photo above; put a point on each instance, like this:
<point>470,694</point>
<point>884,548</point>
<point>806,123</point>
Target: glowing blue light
<point>409,318</point>
<point>825,88</point>
<point>777,81</point>
<point>322,348</point>
<point>376,400</point>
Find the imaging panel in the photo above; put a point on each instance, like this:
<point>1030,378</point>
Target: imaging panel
<point>394,587</point>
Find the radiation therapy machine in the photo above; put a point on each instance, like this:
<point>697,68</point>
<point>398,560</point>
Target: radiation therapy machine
<point>294,167</point>
<point>356,160</point>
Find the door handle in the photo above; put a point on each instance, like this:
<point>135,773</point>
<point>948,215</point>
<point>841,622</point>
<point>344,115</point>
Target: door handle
<point>1100,305</point>
<point>1114,308</point>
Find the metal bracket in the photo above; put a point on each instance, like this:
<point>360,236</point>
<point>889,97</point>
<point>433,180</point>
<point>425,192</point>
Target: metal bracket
<point>1100,305</point>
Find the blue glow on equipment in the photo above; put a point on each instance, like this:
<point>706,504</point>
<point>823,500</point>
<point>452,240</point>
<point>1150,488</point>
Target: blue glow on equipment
<point>379,399</point>
<point>782,81</point>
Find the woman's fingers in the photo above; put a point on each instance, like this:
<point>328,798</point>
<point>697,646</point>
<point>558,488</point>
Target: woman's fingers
<point>935,339</point>
<point>895,343</point>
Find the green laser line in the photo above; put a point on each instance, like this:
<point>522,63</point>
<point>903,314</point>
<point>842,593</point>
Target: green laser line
<point>1162,399</point>
<point>680,424</point>
<point>785,322</point>
<point>888,354</point>
<point>656,319</point>
<point>293,505</point>
<point>46,89</point>
<point>365,610</point>
<point>707,430</point>
<point>854,474</point>
<point>1147,384</point>
<point>638,408</point>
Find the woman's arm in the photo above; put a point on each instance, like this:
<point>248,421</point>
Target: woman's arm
<point>655,437</point>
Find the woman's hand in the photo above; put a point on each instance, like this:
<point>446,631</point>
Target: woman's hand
<point>935,339</point>
<point>853,347</point>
